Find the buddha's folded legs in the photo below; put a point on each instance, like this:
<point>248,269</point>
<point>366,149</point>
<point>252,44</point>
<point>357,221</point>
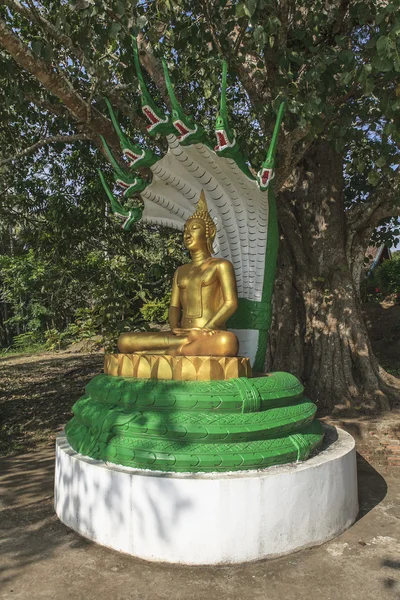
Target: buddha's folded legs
<point>209,343</point>
<point>197,343</point>
<point>150,342</point>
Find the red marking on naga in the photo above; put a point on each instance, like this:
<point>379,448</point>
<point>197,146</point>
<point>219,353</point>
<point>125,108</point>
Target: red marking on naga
<point>222,140</point>
<point>123,184</point>
<point>131,155</point>
<point>151,116</point>
<point>181,128</point>
<point>265,176</point>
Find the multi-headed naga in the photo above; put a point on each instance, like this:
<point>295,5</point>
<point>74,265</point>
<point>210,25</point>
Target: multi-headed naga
<point>242,205</point>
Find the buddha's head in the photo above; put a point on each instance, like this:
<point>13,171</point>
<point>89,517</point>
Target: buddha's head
<point>200,230</point>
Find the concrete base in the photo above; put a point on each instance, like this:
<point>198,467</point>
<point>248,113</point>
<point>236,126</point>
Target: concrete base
<point>212,518</point>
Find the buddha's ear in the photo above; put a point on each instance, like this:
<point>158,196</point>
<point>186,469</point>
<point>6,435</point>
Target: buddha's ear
<point>212,231</point>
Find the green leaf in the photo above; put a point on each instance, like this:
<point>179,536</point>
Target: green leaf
<point>346,77</point>
<point>250,7</point>
<point>346,56</point>
<point>382,64</point>
<point>258,33</point>
<point>37,47</point>
<point>47,53</point>
<point>373,178</point>
<point>141,21</point>
<point>367,69</point>
<point>341,40</point>
<point>368,86</point>
<point>385,46</point>
<point>389,129</point>
<point>381,162</point>
<point>115,28</point>
<point>371,43</point>
<point>120,8</point>
<point>240,12</point>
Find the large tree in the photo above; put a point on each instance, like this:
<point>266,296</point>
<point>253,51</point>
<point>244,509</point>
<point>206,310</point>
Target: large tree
<point>337,65</point>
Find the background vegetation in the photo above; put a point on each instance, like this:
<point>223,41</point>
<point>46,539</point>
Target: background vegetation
<point>67,271</point>
<point>64,263</point>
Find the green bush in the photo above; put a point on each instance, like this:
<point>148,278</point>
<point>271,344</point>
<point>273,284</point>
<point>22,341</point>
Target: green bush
<point>156,311</point>
<point>29,341</point>
<point>57,340</point>
<point>388,277</point>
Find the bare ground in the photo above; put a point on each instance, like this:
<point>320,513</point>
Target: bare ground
<point>44,560</point>
<point>36,396</point>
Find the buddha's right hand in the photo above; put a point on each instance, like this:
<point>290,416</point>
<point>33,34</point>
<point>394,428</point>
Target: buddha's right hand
<point>193,333</point>
<point>180,332</point>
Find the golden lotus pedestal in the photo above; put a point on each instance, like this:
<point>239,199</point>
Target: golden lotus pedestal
<point>179,368</point>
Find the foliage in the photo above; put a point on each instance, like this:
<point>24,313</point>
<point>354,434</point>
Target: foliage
<point>383,281</point>
<point>388,277</point>
<point>64,263</point>
<point>30,341</point>
<point>56,340</point>
<point>156,311</point>
<point>337,65</point>
<point>96,294</point>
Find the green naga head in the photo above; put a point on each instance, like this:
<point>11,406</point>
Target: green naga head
<point>267,171</point>
<point>129,183</point>
<point>159,123</point>
<point>136,155</point>
<point>129,216</point>
<point>188,131</point>
<point>227,145</point>
<point>226,138</point>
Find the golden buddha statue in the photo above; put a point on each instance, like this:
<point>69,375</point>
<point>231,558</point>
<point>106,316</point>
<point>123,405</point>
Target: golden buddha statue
<point>204,296</point>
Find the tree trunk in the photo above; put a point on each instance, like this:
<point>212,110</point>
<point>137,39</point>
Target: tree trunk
<point>318,332</point>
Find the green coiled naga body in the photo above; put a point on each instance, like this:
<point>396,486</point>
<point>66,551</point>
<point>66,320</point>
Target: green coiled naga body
<point>195,426</point>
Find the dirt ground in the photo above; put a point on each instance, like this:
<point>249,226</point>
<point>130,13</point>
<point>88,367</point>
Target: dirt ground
<point>41,559</point>
<point>36,396</point>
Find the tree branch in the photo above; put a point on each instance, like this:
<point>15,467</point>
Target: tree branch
<point>58,110</point>
<point>284,19</point>
<point>384,203</point>
<point>385,210</point>
<point>98,124</point>
<point>77,52</point>
<point>210,22</point>
<point>47,26</point>
<point>66,139</point>
<point>153,67</point>
<point>239,38</point>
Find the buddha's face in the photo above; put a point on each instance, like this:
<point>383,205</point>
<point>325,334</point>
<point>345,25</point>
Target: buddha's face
<point>194,235</point>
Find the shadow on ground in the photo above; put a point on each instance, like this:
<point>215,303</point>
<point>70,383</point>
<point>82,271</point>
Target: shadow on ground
<point>372,487</point>
<point>42,556</point>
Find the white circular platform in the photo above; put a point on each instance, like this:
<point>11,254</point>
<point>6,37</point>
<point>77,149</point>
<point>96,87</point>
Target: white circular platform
<point>212,518</point>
